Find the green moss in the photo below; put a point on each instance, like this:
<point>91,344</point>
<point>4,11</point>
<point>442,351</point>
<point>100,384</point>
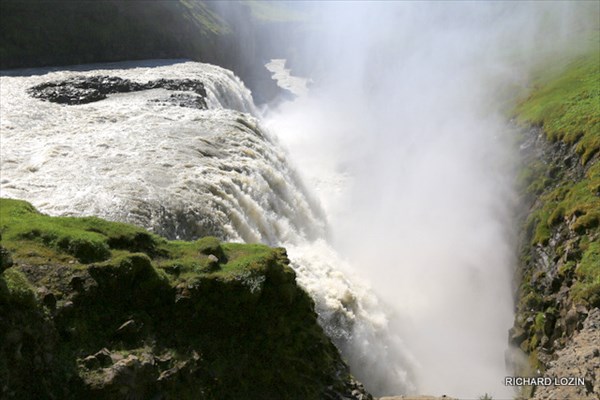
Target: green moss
<point>15,289</point>
<point>565,199</point>
<point>540,319</point>
<point>577,202</point>
<point>587,286</point>
<point>532,179</point>
<point>36,237</point>
<point>567,105</point>
<point>254,330</point>
<point>566,269</point>
<point>204,18</point>
<point>530,300</point>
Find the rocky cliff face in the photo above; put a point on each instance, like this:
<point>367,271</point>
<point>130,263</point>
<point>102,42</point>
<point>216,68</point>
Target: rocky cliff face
<point>102,310</point>
<point>559,277</point>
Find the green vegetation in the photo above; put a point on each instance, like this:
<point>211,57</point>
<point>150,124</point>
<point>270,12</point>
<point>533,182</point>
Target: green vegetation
<point>15,289</point>
<point>196,319</point>
<point>561,179</point>
<point>587,286</point>
<point>35,237</point>
<point>567,106</point>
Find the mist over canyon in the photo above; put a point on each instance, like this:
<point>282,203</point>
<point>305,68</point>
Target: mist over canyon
<point>386,166</point>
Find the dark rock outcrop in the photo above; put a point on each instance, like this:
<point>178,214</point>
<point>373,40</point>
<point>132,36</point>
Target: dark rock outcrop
<point>552,308</point>
<point>580,358</point>
<point>82,90</point>
<point>229,322</point>
<point>5,259</point>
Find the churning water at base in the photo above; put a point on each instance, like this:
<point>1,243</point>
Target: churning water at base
<point>185,173</point>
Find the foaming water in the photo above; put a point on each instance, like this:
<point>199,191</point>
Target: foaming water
<point>186,173</point>
<point>182,171</point>
<point>406,141</point>
<point>294,84</point>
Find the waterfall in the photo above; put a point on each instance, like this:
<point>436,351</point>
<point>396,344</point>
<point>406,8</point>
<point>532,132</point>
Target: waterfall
<point>186,172</point>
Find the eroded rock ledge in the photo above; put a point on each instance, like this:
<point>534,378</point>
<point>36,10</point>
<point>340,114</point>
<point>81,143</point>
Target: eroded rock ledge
<point>556,319</point>
<point>103,310</point>
<point>83,90</point>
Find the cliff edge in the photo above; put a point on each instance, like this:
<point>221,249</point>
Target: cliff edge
<point>103,310</point>
<point>558,293</point>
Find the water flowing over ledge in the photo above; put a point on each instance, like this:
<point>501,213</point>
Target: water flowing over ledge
<point>184,173</point>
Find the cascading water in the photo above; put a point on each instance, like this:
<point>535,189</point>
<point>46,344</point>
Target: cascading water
<point>402,139</point>
<point>406,140</point>
<point>185,172</point>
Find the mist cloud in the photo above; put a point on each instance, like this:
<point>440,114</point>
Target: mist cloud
<point>405,137</point>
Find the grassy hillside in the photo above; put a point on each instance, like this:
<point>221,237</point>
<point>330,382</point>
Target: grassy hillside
<point>561,250</point>
<point>108,310</point>
<point>567,106</point>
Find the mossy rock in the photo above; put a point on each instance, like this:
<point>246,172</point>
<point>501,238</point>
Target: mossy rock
<point>561,184</point>
<point>211,246</point>
<point>5,259</point>
<point>16,290</point>
<point>245,330</point>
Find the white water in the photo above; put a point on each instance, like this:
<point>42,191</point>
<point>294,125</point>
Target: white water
<point>186,173</point>
<point>182,171</point>
<point>405,139</point>
<point>401,141</point>
<point>294,84</point>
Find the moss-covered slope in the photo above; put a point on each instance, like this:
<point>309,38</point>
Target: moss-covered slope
<point>560,255</point>
<point>103,310</point>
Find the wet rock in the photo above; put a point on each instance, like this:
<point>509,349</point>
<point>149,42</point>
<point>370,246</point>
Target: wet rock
<point>65,308</point>
<point>350,390</point>
<point>116,357</point>
<point>580,358</point>
<point>516,336</point>
<point>213,263</point>
<point>129,330</point>
<point>132,377</point>
<point>90,362</point>
<point>77,283</point>
<point>5,259</point>
<point>183,100</point>
<point>571,320</point>
<point>211,246</point>
<point>47,297</point>
<point>104,357</point>
<point>89,89</point>
<point>163,359</point>
<point>182,293</point>
<point>548,265</point>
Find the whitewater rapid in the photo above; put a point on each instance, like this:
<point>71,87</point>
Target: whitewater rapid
<point>184,173</point>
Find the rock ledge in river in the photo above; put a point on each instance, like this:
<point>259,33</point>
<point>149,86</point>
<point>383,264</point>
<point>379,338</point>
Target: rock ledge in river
<point>83,90</point>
